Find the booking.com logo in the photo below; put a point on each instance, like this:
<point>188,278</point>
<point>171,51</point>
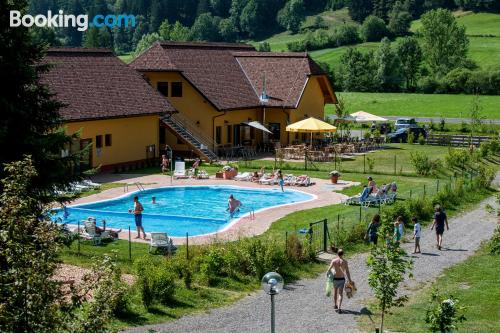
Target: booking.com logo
<point>81,22</point>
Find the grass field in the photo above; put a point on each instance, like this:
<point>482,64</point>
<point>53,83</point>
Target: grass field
<point>474,282</point>
<point>418,105</point>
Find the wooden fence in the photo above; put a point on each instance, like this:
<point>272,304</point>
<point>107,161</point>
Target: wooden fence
<point>456,140</point>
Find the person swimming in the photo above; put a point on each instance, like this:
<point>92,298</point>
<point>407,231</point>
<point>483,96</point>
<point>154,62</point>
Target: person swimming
<point>233,205</point>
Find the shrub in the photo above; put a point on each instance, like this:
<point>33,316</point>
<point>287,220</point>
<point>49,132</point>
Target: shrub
<point>346,34</point>
<point>444,314</point>
<point>411,138</point>
<point>485,176</point>
<point>371,163</point>
<point>423,165</point>
<point>156,282</point>
<point>457,158</point>
<point>421,140</point>
<point>442,125</point>
<point>495,242</point>
<point>294,249</point>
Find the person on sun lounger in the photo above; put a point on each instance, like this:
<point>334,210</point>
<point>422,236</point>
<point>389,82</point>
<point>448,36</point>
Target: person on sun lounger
<point>233,205</point>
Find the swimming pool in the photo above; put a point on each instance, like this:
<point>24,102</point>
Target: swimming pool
<point>197,210</point>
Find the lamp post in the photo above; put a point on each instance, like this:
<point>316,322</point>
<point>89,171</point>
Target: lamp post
<point>272,283</point>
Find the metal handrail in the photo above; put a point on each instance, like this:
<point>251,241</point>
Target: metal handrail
<point>189,127</point>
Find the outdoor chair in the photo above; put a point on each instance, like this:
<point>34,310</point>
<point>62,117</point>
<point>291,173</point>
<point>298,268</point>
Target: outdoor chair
<point>160,241</point>
<point>91,233</point>
<point>303,181</point>
<point>180,170</point>
<point>267,179</point>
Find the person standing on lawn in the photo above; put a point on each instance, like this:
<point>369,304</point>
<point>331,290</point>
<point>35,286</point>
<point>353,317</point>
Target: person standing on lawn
<point>137,211</point>
<point>371,232</point>
<point>440,220</point>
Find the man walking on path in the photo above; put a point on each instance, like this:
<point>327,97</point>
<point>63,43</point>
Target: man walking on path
<point>340,272</point>
<point>440,219</point>
<point>138,217</point>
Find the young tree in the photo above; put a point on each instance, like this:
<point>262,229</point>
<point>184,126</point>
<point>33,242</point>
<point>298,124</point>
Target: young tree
<point>373,29</point>
<point>360,9</point>
<point>146,41</point>
<point>388,266</point>
<point>292,15</point>
<point>264,47</point>
<point>179,32</point>
<point>227,30</point>
<point>399,19</point>
<point>381,8</point>
<point>444,41</point>
<point>389,73</point>
<point>30,122</point>
<point>476,118</point>
<point>165,30</point>
<point>410,55</point>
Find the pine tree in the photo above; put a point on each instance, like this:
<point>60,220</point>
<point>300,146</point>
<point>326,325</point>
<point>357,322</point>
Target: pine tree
<point>360,9</point>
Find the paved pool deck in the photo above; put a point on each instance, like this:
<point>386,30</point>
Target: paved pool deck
<point>324,192</point>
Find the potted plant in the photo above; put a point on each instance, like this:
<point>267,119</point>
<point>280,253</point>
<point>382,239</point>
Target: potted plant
<point>334,176</point>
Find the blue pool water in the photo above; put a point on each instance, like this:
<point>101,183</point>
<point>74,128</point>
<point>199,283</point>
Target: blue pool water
<point>194,209</point>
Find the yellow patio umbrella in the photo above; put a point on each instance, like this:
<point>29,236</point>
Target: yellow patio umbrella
<point>311,125</point>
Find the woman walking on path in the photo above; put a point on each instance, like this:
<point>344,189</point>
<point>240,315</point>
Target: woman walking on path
<point>371,232</point>
<point>440,219</point>
<point>340,272</point>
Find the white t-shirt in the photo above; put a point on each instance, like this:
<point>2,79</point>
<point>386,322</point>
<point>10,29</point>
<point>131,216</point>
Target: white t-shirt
<point>416,230</point>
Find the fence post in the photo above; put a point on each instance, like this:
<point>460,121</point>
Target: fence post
<point>78,238</point>
<point>394,164</point>
<point>325,233</point>
<point>364,162</point>
<point>187,246</point>
<point>129,244</point>
<point>424,190</point>
<point>359,213</point>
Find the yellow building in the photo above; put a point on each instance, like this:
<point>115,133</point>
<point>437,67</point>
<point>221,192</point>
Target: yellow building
<point>116,112</point>
<point>227,95</point>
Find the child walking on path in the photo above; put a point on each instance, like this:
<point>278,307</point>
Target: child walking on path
<point>416,234</point>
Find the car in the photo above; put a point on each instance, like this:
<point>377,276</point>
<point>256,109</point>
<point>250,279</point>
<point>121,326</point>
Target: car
<point>405,122</point>
<point>401,135</point>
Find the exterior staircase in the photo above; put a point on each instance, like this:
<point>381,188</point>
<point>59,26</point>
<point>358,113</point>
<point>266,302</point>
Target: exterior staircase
<point>187,131</point>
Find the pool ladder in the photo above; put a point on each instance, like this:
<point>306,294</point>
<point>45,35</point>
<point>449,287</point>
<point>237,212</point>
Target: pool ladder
<point>139,186</point>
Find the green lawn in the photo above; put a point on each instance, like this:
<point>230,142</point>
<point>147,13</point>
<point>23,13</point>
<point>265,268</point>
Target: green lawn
<point>332,56</point>
<point>474,282</point>
<point>126,58</point>
<point>475,23</point>
<point>485,51</point>
<point>419,105</point>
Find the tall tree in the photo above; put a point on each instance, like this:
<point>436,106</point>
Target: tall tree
<point>381,8</point>
<point>179,32</point>
<point>206,28</point>
<point>389,74</point>
<point>399,19</point>
<point>228,30</point>
<point>410,54</point>
<point>220,7</point>
<point>292,15</point>
<point>91,38</point>
<point>373,29</point>
<point>30,123</point>
<point>360,9</point>
<point>357,71</point>
<point>444,41</point>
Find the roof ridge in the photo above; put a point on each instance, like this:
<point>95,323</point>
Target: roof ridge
<point>79,50</point>
<point>207,45</point>
<point>270,54</point>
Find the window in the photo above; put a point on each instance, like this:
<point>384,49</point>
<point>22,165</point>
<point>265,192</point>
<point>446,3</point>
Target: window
<point>107,140</point>
<point>162,88</point>
<point>98,141</point>
<point>162,135</point>
<point>218,132</point>
<point>176,89</point>
<point>229,133</point>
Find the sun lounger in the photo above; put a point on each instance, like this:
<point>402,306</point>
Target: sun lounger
<point>91,233</point>
<point>90,183</point>
<point>245,176</point>
<point>202,174</point>
<point>160,241</point>
<point>267,179</point>
<point>303,181</point>
<point>290,180</point>
<point>180,170</point>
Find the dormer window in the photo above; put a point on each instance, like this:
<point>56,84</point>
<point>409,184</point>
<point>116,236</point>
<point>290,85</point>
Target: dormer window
<point>162,88</point>
<point>176,89</point>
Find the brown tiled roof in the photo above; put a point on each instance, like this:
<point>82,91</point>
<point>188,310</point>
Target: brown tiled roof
<point>230,76</point>
<point>97,85</point>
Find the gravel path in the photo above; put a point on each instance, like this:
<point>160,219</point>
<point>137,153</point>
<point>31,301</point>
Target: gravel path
<point>302,306</point>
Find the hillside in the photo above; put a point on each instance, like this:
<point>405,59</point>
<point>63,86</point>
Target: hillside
<point>483,30</point>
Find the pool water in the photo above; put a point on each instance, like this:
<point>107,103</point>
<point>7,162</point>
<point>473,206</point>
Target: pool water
<point>196,210</point>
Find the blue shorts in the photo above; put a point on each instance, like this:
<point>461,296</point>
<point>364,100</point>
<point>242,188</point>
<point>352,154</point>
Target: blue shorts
<point>138,220</point>
<point>282,182</point>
